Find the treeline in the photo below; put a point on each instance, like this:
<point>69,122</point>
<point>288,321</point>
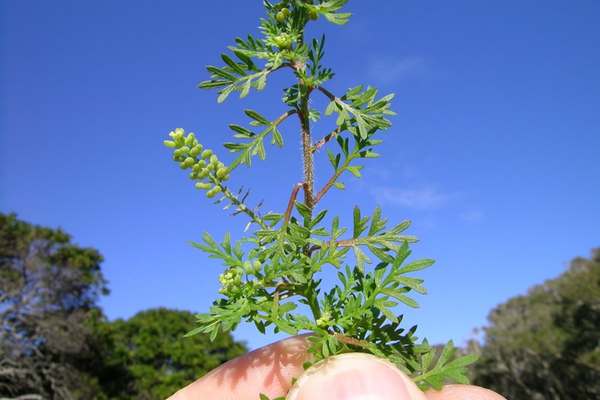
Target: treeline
<point>545,345</point>
<point>55,342</point>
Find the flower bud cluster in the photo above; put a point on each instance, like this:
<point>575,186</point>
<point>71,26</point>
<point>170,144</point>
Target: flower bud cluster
<point>231,281</point>
<point>324,320</point>
<point>206,169</point>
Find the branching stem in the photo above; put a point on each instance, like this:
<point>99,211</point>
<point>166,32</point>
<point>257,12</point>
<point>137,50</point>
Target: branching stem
<point>332,180</point>
<point>327,93</point>
<point>332,135</point>
<point>351,341</point>
<point>290,206</point>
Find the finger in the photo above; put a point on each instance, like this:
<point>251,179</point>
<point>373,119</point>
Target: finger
<point>354,376</point>
<point>268,370</point>
<point>463,392</point>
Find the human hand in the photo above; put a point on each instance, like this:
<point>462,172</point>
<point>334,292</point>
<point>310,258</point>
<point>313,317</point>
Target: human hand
<point>270,370</point>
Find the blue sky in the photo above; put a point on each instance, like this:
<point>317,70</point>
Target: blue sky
<point>493,154</point>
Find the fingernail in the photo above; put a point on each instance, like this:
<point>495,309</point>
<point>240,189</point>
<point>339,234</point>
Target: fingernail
<point>352,376</point>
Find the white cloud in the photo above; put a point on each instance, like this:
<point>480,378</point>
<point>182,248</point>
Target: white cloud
<point>389,70</point>
<point>423,198</point>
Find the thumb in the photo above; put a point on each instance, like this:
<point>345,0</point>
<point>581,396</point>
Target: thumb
<point>354,376</point>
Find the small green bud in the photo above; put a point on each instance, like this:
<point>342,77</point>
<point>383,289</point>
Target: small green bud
<point>280,16</point>
<point>203,185</point>
<point>325,319</point>
<point>185,150</point>
<point>248,266</point>
<point>222,172</point>
<point>177,135</point>
<point>196,150</point>
<point>190,140</point>
<point>283,41</point>
<point>199,166</point>
<point>214,159</point>
<point>206,153</point>
<point>213,192</point>
<point>203,173</point>
<point>189,162</point>
<point>169,143</point>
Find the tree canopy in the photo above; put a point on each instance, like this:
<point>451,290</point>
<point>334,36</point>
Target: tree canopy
<point>157,359</point>
<point>48,292</point>
<point>55,342</point>
<point>546,344</point>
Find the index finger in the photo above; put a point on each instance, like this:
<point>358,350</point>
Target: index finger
<point>268,370</point>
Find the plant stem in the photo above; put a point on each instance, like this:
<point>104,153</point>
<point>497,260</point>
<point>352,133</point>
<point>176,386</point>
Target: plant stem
<point>307,153</point>
<point>292,200</point>
<point>332,180</point>
<point>333,134</point>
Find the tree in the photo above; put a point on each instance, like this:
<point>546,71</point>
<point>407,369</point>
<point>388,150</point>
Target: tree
<point>156,359</point>
<point>55,343</point>
<point>546,344</point>
<point>48,292</point>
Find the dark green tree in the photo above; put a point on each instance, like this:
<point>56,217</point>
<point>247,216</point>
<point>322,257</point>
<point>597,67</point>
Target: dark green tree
<point>546,344</point>
<point>157,359</point>
<point>48,292</point>
<point>55,343</point>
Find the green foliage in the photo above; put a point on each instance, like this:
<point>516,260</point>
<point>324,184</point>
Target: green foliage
<point>48,292</point>
<point>55,342</point>
<point>546,344</point>
<point>271,276</point>
<point>155,362</point>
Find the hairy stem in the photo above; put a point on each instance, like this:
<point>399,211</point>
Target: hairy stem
<point>309,178</point>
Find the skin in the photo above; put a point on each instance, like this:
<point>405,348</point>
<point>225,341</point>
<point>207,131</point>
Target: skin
<point>353,376</point>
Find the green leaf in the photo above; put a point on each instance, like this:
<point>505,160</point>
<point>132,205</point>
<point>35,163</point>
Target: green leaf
<point>233,64</point>
<point>355,170</point>
<point>224,94</point>
<point>416,266</point>
<point>257,117</point>
<point>241,130</point>
<point>277,138</point>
